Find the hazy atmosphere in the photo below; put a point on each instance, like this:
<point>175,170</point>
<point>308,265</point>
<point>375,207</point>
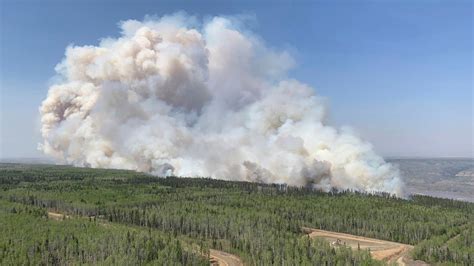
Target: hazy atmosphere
<point>235,133</point>
<point>396,73</point>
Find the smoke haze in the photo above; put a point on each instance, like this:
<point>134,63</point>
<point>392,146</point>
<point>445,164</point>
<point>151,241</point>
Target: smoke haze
<point>171,98</point>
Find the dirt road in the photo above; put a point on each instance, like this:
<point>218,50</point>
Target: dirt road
<point>224,259</point>
<point>57,216</point>
<point>391,252</point>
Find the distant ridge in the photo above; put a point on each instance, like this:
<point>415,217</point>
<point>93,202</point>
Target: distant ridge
<point>36,160</point>
<point>427,158</point>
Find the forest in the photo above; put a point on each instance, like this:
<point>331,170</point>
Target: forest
<point>118,217</point>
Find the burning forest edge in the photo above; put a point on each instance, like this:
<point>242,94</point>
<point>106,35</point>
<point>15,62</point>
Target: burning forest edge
<point>173,97</point>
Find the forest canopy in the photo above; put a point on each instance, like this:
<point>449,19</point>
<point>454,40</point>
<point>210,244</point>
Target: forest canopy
<point>126,217</point>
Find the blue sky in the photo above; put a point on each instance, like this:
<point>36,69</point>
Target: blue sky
<point>399,72</point>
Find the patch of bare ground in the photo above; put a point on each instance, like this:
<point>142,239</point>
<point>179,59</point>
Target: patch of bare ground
<point>390,252</point>
<point>222,258</point>
<point>57,216</point>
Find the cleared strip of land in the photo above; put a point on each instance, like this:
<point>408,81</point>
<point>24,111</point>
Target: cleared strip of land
<point>391,252</point>
<point>57,216</point>
<point>224,259</point>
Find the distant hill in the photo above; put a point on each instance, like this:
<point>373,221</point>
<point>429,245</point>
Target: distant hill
<point>440,177</point>
<point>36,160</point>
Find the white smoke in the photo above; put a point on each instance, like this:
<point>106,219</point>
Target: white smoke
<point>170,98</point>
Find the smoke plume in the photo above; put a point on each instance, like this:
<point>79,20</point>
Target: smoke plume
<point>171,97</point>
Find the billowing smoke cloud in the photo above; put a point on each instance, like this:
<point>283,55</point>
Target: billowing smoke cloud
<point>172,98</point>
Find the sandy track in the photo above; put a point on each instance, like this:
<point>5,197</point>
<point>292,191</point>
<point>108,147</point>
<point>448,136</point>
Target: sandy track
<point>224,259</point>
<point>57,216</point>
<point>391,252</point>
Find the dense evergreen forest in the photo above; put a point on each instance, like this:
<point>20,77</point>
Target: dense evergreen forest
<point>128,218</point>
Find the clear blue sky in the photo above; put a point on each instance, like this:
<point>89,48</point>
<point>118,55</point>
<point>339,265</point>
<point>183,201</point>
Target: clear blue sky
<point>399,72</point>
